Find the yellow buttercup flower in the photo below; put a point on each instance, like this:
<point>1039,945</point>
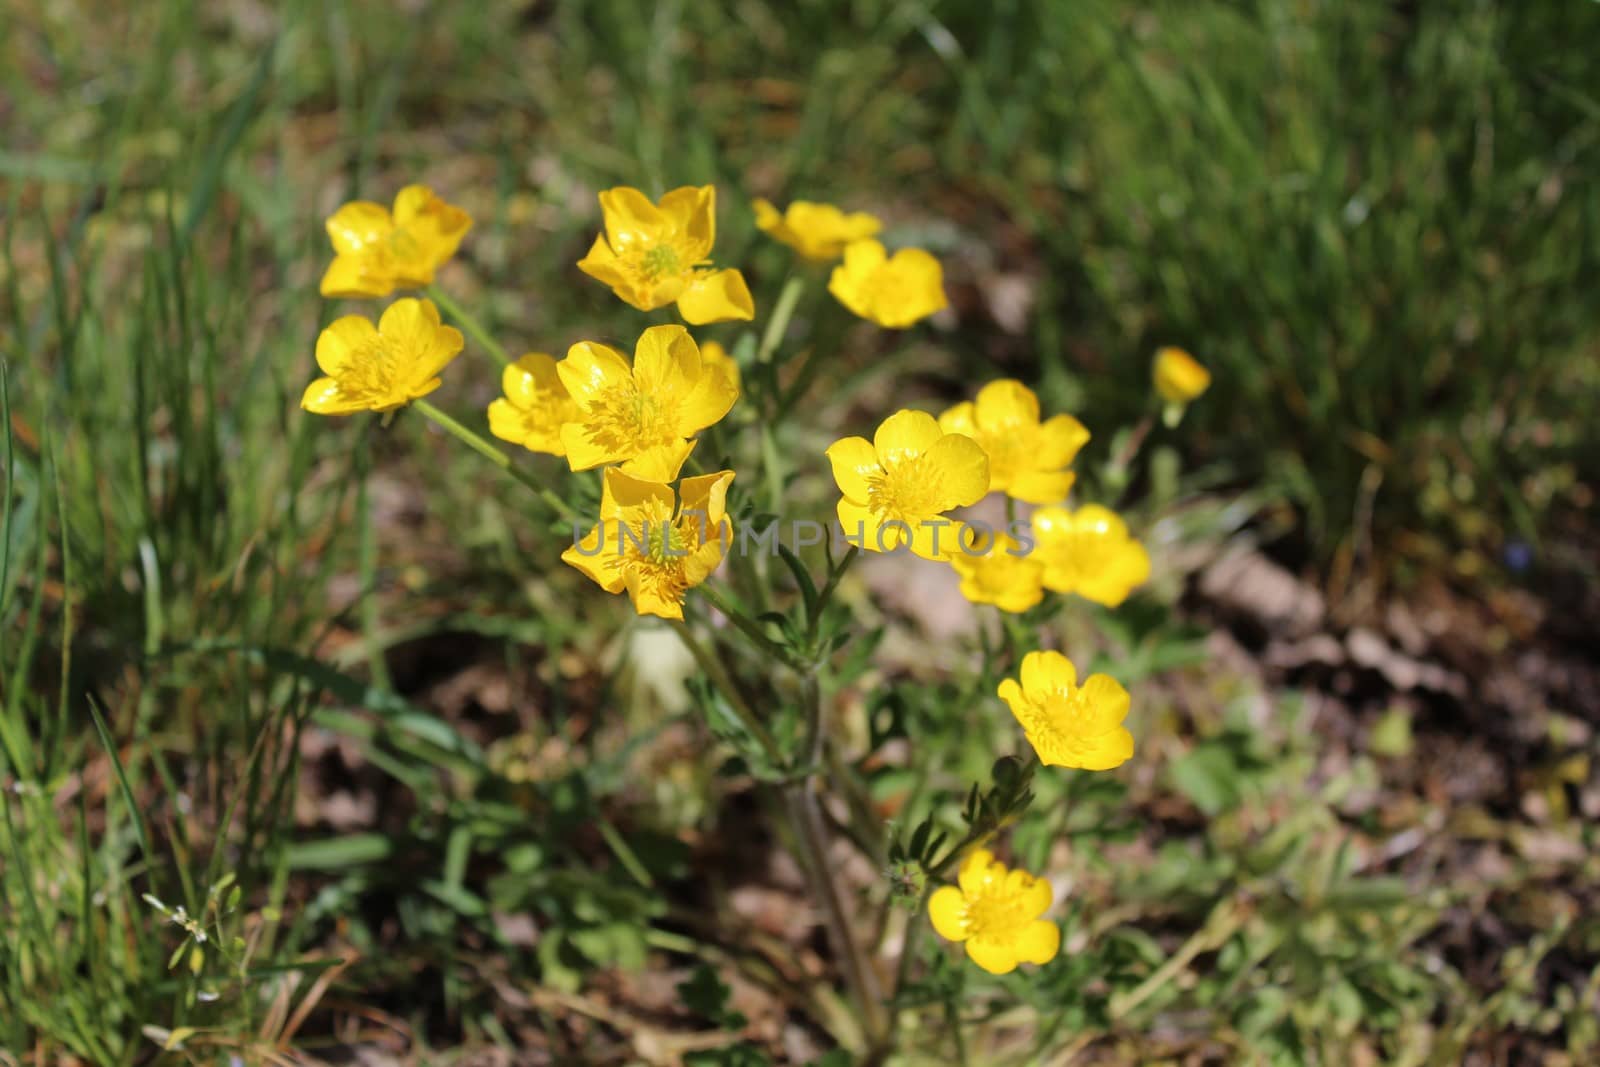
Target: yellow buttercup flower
<point>535,407</point>
<point>653,544</point>
<point>377,252</point>
<point>897,485</point>
<point>817,231</point>
<point>995,913</point>
<point>891,291</point>
<point>1179,377</point>
<point>997,571</point>
<point>1069,725</point>
<point>716,357</point>
<point>382,367</point>
<point>644,414</point>
<point>1027,458</point>
<point>653,255</point>
<point>1089,552</point>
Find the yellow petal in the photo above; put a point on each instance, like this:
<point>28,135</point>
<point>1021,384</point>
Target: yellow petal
<point>768,220</point>
<point>905,435</point>
<point>602,264</point>
<point>692,212</point>
<point>411,202</point>
<point>1012,694</point>
<point>358,226</point>
<point>718,296</point>
<point>533,374</point>
<point>864,527</point>
<point>714,359</point>
<point>935,539</point>
<point>341,339</point>
<point>1107,700</point>
<point>993,956</point>
<point>583,451</point>
<point>1047,672</point>
<point>822,231</point>
<point>630,219</point>
<point>977,870</point>
<point>960,419</point>
<point>505,422</point>
<point>947,910</point>
<point>854,461</point>
<point>1042,487</point>
<point>1052,529</point>
<point>659,464</point>
<point>917,292</point>
<point>666,365</point>
<point>1179,377</point>
<point>850,282</point>
<point>648,599</point>
<point>409,319</point>
<point>1105,751</point>
<point>1006,406</point>
<point>1128,567</point>
<point>1031,895</point>
<point>1039,942</point>
<point>322,397</point>
<point>712,397</point>
<point>625,492</point>
<point>708,495</point>
<point>596,556</point>
<point>704,561</point>
<point>963,468</point>
<point>351,277</point>
<point>1060,439</point>
<point>591,370</point>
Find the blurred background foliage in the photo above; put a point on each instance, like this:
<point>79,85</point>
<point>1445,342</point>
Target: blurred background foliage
<point>1377,222</point>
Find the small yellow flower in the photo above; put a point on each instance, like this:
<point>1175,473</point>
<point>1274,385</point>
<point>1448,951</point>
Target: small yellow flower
<point>892,292</point>
<point>1069,725</point>
<point>998,572</point>
<point>644,414</point>
<point>897,485</point>
<point>715,356</point>
<point>377,252</point>
<point>535,407</point>
<point>1179,377</point>
<point>652,545</point>
<point>382,367</point>
<point>653,255</point>
<point>817,231</point>
<point>1027,458</point>
<point>995,912</point>
<point>1089,552</point>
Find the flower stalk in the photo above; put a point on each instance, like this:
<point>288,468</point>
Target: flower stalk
<point>495,456</point>
<point>469,323</point>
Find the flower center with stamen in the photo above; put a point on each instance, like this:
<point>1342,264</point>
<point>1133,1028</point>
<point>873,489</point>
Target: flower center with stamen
<point>666,543</point>
<point>907,490</point>
<point>374,370</point>
<point>996,915</point>
<point>661,260</point>
<point>626,419</point>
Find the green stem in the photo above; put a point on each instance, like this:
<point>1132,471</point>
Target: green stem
<point>730,692</point>
<point>469,323</point>
<point>778,325</point>
<point>624,853</point>
<point>828,588</point>
<point>806,814</point>
<point>495,456</point>
<point>750,628</point>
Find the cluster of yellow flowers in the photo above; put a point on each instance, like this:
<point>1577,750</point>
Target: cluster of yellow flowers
<point>640,419</point>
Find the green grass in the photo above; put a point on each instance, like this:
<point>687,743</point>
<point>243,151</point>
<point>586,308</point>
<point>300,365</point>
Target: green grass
<point>1378,224</point>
